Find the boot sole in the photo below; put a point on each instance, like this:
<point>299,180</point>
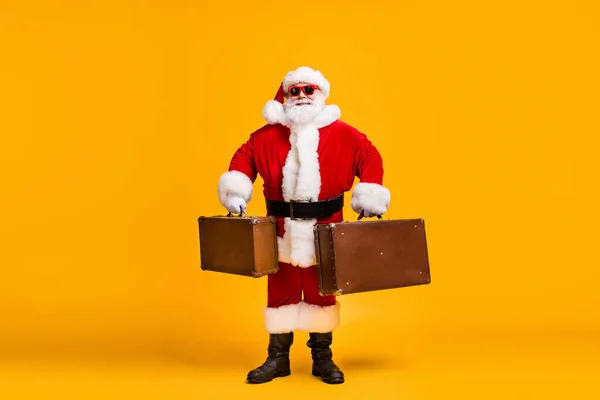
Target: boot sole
<point>278,375</point>
<point>334,381</point>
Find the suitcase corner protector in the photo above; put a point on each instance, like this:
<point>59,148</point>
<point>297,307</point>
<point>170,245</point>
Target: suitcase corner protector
<point>331,292</point>
<point>259,274</point>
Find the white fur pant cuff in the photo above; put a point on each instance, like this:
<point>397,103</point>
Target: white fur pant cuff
<point>303,317</point>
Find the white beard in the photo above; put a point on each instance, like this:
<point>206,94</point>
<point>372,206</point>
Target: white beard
<point>301,114</point>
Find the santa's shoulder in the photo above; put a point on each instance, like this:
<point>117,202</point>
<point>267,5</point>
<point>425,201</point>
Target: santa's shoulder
<point>340,127</point>
<point>269,132</point>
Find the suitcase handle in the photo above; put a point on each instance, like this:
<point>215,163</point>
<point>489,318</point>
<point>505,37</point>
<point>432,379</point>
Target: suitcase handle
<point>362,215</point>
<point>229,214</point>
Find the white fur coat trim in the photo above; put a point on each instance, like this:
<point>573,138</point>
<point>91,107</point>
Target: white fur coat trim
<point>302,182</point>
<point>234,183</point>
<point>297,246</point>
<point>302,316</point>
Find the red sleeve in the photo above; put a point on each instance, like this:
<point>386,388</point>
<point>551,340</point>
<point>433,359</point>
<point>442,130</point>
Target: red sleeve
<point>369,164</point>
<point>243,159</point>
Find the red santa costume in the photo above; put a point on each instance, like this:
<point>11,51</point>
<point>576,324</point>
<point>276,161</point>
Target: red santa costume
<point>304,157</point>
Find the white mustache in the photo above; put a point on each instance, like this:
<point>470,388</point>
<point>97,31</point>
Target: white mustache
<point>302,101</point>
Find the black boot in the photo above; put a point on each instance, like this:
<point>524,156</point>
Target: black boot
<point>323,365</point>
<point>278,361</point>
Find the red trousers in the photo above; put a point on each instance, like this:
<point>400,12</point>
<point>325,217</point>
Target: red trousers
<point>289,284</point>
<point>294,302</point>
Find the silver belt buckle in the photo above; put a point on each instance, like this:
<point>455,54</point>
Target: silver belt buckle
<point>292,202</point>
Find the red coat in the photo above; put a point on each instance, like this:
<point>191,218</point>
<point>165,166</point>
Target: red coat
<point>317,161</point>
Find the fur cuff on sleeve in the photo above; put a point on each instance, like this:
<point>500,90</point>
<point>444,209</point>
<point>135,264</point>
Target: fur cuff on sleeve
<point>371,198</point>
<point>234,183</point>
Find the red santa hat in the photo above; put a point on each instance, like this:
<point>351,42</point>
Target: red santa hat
<point>280,96</point>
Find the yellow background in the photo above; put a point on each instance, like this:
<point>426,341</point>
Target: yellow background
<point>117,119</point>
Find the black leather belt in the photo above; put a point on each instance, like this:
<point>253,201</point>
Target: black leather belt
<point>305,209</point>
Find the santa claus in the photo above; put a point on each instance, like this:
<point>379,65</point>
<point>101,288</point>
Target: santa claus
<point>307,158</point>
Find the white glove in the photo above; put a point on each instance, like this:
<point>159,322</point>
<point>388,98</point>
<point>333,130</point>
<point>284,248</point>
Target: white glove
<point>235,204</point>
<point>371,199</point>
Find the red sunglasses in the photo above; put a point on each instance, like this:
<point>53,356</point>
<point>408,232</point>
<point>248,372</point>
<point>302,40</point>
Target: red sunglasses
<point>307,89</point>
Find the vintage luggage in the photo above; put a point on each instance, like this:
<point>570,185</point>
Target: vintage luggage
<point>240,245</point>
<point>363,256</point>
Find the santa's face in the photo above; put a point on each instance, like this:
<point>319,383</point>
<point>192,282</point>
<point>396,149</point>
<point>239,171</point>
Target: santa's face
<point>304,102</point>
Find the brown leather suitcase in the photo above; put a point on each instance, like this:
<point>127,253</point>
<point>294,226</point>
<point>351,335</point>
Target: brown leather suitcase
<point>239,245</point>
<point>364,256</point>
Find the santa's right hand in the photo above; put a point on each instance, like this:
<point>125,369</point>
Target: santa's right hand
<point>235,204</point>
